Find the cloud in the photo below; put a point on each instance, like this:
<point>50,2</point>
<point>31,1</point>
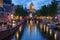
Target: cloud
<point>16,2</point>
<point>20,2</point>
<point>37,3</point>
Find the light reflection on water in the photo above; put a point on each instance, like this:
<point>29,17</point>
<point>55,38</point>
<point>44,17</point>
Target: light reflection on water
<point>31,32</point>
<point>20,28</point>
<point>17,35</point>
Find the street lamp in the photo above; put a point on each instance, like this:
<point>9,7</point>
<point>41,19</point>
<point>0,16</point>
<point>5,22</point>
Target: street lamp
<point>17,17</point>
<point>30,15</point>
<point>11,16</point>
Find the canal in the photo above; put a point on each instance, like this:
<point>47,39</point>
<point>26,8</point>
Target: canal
<point>30,32</point>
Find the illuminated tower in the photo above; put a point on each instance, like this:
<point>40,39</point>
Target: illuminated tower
<point>32,7</point>
<point>32,11</point>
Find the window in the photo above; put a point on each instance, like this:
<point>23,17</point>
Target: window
<point>7,1</point>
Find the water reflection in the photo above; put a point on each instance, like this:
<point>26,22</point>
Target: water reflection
<point>32,27</point>
<point>55,35</point>
<point>50,32</point>
<point>19,33</point>
<point>32,33</point>
<point>28,32</point>
<point>16,36</point>
<point>41,26</point>
<point>20,28</point>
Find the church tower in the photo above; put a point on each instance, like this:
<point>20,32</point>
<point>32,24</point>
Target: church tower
<point>32,7</point>
<point>32,11</point>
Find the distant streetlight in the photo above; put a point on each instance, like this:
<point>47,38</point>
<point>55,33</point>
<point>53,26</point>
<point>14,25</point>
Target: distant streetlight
<point>21,18</point>
<point>11,16</point>
<point>30,15</point>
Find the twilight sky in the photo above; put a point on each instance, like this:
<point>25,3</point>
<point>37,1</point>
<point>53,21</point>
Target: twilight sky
<point>37,3</point>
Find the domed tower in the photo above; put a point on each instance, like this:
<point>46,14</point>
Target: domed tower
<point>32,7</point>
<point>32,11</point>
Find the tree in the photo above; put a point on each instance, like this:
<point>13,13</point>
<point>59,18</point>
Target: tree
<point>53,8</point>
<point>20,11</point>
<point>44,10</point>
<point>38,13</point>
<point>49,10</point>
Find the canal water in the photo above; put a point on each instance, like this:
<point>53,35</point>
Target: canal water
<point>30,32</point>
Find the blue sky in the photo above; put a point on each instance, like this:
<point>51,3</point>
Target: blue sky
<point>37,3</point>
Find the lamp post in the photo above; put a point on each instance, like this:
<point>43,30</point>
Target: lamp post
<point>11,16</point>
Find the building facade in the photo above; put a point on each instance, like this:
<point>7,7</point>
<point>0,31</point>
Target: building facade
<point>1,3</point>
<point>58,10</point>
<point>5,9</point>
<point>13,8</point>
<point>1,9</point>
<point>7,4</point>
<point>58,7</point>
